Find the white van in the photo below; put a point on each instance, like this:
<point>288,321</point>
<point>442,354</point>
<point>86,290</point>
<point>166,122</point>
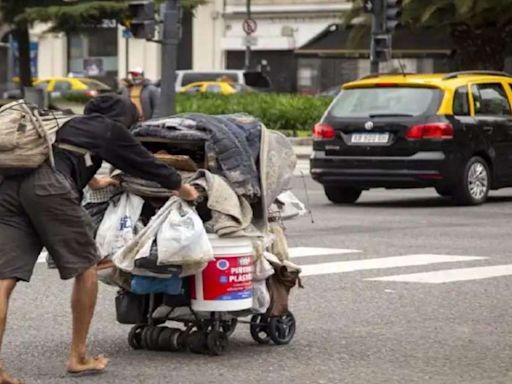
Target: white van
<point>253,79</point>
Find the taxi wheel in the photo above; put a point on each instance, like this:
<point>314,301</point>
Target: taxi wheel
<point>474,183</point>
<point>342,195</point>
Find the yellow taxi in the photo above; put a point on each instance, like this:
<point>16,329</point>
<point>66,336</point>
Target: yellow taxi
<point>219,87</point>
<point>450,131</point>
<point>57,86</point>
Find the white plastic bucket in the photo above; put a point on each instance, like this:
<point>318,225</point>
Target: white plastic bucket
<point>226,282</point>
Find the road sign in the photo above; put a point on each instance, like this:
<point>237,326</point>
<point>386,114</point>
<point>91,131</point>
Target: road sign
<point>250,41</point>
<point>249,26</point>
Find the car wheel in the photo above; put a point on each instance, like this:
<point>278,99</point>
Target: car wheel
<point>339,195</point>
<point>474,183</point>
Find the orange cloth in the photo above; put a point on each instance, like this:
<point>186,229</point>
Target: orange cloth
<point>135,93</point>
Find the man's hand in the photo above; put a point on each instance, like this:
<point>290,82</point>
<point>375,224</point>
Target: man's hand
<point>102,182</point>
<point>188,192</point>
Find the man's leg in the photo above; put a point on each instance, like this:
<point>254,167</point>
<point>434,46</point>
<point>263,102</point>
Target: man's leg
<point>83,302</point>
<point>54,209</point>
<point>6,288</point>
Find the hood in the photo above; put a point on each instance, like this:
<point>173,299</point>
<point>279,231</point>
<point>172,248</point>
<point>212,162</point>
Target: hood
<point>114,107</point>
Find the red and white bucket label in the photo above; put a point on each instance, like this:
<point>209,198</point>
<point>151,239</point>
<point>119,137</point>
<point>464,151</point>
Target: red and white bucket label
<point>227,278</point>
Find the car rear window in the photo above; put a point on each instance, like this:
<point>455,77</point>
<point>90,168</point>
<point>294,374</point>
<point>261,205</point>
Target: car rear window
<point>95,85</point>
<point>363,102</point>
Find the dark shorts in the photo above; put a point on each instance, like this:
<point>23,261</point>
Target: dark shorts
<point>39,210</point>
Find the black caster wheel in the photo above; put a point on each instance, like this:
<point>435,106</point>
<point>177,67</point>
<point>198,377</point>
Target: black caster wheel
<point>154,337</point>
<point>135,336</point>
<point>259,329</point>
<point>164,339</point>
<point>282,328</point>
<point>228,327</point>
<point>168,340</point>
<point>196,342</point>
<point>145,337</point>
<point>217,342</point>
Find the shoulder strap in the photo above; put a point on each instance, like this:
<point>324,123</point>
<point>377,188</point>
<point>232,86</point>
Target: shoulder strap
<point>73,148</point>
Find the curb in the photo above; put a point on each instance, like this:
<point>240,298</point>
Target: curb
<point>301,141</point>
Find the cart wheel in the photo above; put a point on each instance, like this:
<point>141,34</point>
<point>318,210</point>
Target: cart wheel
<point>217,342</point>
<point>175,340</point>
<point>135,336</point>
<point>145,339</point>
<point>282,329</point>
<point>196,342</point>
<point>228,327</point>
<point>154,338</point>
<point>164,339</point>
<point>259,329</point>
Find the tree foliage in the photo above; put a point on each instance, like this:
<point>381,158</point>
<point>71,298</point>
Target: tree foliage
<point>63,16</point>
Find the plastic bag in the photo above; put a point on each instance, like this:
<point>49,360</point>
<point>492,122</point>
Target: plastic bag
<point>117,227</point>
<point>182,238</point>
<point>260,296</point>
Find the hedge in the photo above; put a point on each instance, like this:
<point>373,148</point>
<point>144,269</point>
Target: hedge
<point>277,111</point>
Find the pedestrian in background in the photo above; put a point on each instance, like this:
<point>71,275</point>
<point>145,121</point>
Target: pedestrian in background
<point>141,92</point>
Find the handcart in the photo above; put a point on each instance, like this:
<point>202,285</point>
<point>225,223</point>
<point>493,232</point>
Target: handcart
<point>207,324</point>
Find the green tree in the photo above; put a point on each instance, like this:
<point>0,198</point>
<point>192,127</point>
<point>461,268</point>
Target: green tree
<point>480,29</point>
<point>64,16</point>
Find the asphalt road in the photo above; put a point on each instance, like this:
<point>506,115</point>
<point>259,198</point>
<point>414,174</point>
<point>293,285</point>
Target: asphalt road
<point>451,326</point>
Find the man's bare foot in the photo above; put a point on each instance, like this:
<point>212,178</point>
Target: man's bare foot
<point>5,378</point>
<point>87,366</point>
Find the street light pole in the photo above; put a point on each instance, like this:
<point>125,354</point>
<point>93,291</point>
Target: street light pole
<point>247,45</point>
<point>170,37</point>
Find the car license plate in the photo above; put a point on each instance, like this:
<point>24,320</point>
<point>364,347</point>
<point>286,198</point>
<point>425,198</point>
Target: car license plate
<point>369,138</point>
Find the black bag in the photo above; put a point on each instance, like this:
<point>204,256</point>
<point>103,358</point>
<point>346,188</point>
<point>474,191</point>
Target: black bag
<point>132,308</point>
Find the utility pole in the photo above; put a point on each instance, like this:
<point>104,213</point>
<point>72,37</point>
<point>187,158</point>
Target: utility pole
<point>247,42</point>
<point>169,13</point>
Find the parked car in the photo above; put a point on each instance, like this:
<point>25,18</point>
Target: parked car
<point>254,79</point>
<point>58,86</point>
<point>220,87</point>
<point>451,131</point>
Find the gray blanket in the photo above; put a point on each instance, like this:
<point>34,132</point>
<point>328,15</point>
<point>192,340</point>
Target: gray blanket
<point>232,141</point>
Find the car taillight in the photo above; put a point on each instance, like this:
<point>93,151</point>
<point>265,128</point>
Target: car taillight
<point>436,131</point>
<point>91,93</point>
<point>323,131</point>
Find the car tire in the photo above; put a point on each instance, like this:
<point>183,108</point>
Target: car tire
<point>342,195</point>
<point>474,183</point>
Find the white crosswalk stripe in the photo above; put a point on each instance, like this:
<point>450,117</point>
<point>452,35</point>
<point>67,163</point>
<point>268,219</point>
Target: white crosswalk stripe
<point>381,263</point>
<point>451,275</point>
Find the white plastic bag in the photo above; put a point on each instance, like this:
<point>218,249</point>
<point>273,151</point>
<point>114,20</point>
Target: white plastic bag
<point>260,296</point>
<point>290,206</point>
<point>117,227</point>
<point>182,238</point>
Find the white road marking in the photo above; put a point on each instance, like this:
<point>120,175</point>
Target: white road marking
<point>302,168</point>
<point>381,263</point>
<point>452,275</point>
<point>295,252</point>
<point>42,257</point>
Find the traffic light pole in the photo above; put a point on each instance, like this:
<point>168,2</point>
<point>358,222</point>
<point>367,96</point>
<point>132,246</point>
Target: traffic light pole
<point>377,29</point>
<point>170,38</point>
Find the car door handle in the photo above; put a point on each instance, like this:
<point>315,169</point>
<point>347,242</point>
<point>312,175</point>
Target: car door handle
<point>488,129</point>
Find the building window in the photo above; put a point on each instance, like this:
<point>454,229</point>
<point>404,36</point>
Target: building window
<point>93,53</point>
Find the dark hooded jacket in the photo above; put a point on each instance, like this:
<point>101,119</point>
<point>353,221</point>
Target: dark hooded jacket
<point>103,131</point>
